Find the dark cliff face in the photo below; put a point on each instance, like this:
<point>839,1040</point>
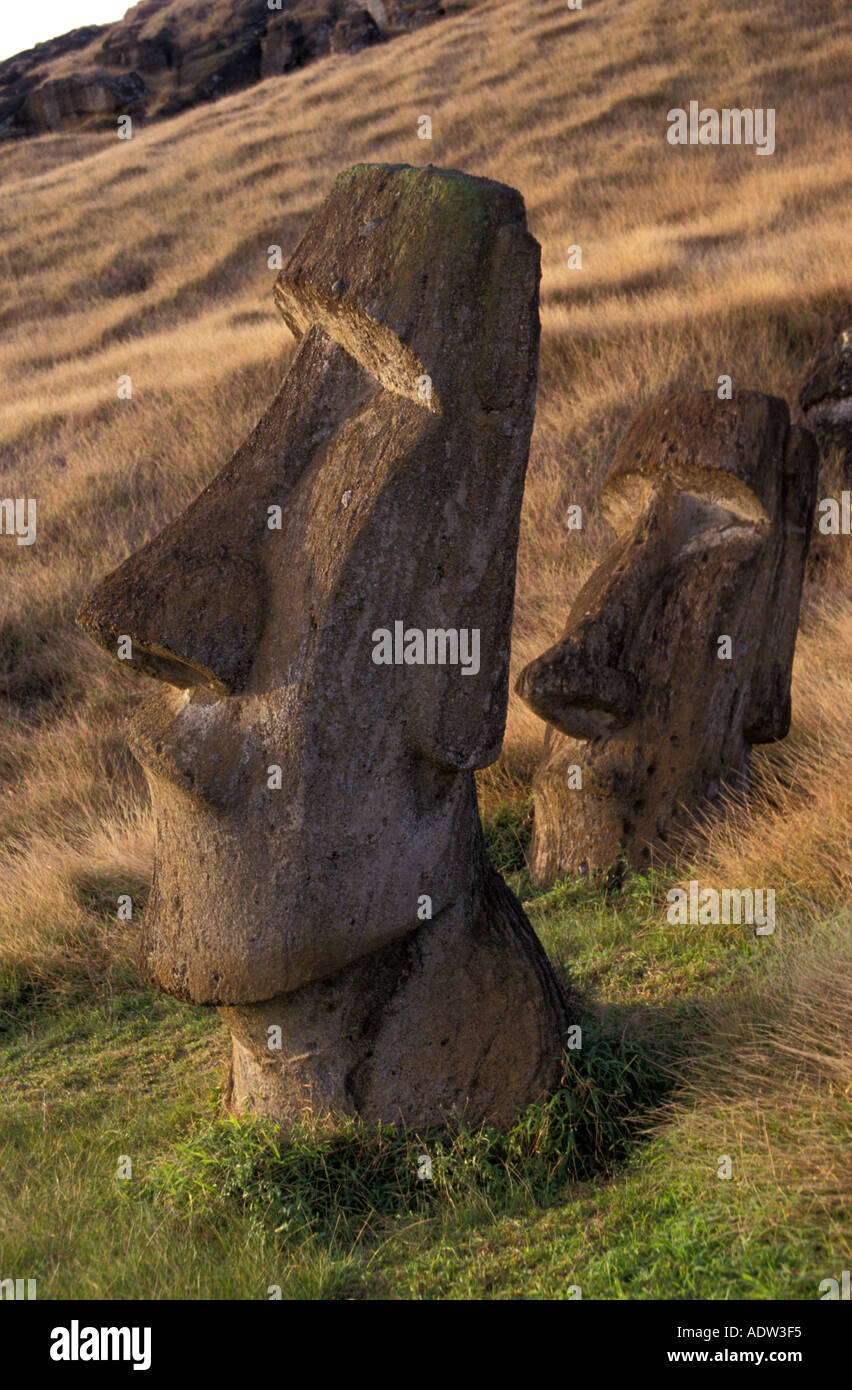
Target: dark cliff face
<point>167,55</point>
<point>21,75</point>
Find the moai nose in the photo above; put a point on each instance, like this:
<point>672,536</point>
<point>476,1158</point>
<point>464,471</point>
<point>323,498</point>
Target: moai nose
<point>188,607</point>
<point>577,686</point>
<point>585,684</point>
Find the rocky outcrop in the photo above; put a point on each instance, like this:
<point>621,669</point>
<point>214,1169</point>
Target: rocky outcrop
<point>353,32</point>
<point>160,58</point>
<point>21,75</point>
<point>73,102</point>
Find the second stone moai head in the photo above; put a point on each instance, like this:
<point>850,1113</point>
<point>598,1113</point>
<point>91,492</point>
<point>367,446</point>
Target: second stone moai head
<point>678,652</point>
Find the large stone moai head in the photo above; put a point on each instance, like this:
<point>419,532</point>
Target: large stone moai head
<point>331,619</point>
<point>826,395</point>
<point>678,652</point>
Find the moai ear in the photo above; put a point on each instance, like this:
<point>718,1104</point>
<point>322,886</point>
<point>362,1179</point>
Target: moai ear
<point>767,715</point>
<point>429,279</point>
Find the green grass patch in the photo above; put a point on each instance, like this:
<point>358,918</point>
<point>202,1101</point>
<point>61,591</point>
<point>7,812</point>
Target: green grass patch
<point>608,1186</point>
<point>354,1176</point>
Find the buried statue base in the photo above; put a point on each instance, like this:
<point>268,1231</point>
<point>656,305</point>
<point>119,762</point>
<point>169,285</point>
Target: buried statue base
<point>462,1019</point>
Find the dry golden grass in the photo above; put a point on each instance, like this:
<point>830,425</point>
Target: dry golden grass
<point>775,1091</point>
<point>148,257</point>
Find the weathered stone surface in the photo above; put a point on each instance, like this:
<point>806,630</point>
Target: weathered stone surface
<point>286,45</point>
<point>826,395</point>
<point>407,14</point>
<point>123,49</point>
<point>712,502</point>
<point>354,31</point>
<point>460,1018</point>
<point>75,102</point>
<point>396,452</point>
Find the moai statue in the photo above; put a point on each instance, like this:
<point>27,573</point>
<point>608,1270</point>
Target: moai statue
<point>332,618</point>
<point>678,652</point>
<point>826,395</point>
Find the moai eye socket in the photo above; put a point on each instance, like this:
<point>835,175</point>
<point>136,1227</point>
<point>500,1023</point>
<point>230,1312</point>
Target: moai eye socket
<point>706,524</point>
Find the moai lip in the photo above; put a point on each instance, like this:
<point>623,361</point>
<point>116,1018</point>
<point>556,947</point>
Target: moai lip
<point>650,724</point>
<point>320,871</point>
<point>826,395</point>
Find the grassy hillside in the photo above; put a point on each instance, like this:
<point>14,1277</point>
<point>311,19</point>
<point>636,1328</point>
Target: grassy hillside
<point>149,258</point>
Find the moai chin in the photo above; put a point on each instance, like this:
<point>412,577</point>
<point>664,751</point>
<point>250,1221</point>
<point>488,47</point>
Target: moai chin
<point>320,870</point>
<point>678,652</point>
